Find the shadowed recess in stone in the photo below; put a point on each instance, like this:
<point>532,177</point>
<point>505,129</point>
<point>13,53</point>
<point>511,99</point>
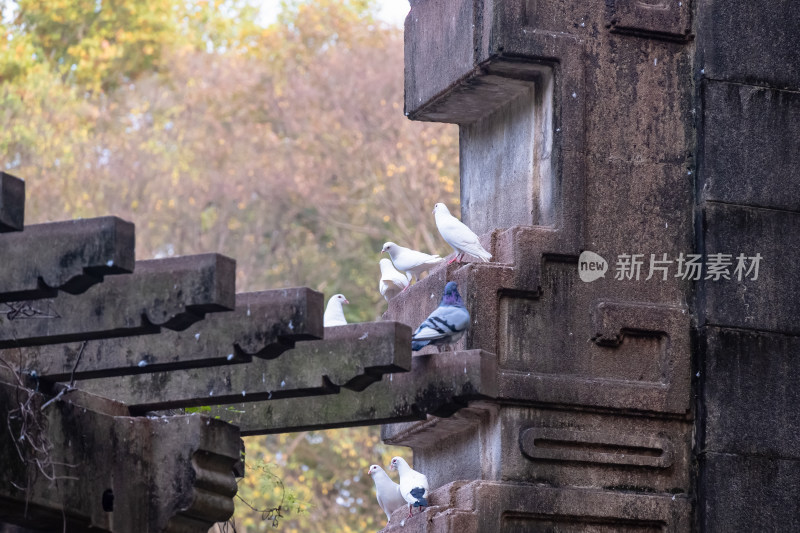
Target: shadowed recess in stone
<point>607,447</point>
<point>264,324</point>
<point>185,463</point>
<point>12,203</point>
<point>351,356</point>
<point>171,293</point>
<point>63,256</point>
<point>671,21</point>
<point>438,384</point>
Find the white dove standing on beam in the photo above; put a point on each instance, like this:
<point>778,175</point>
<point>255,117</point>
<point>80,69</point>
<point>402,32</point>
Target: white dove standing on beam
<point>387,491</point>
<point>413,485</point>
<point>410,261</point>
<point>392,281</point>
<point>458,235</point>
<point>334,314</point>
<point>446,324</point>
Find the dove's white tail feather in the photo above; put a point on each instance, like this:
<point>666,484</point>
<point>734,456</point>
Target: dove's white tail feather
<point>476,250</point>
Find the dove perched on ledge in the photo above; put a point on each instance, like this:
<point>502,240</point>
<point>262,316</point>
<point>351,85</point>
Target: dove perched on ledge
<point>334,314</point>
<point>392,281</point>
<point>446,324</point>
<point>458,235</point>
<point>411,262</point>
<point>387,491</point>
<point>413,485</point>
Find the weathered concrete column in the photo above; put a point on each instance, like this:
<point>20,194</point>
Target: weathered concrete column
<point>748,187</point>
<point>576,134</point>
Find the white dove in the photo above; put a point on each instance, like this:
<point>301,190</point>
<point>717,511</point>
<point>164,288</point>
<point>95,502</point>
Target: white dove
<point>410,261</point>
<point>458,235</point>
<point>392,281</point>
<point>413,485</point>
<point>334,314</point>
<point>387,491</point>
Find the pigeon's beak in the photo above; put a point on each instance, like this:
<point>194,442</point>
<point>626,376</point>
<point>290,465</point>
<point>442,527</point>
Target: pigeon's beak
<point>346,301</point>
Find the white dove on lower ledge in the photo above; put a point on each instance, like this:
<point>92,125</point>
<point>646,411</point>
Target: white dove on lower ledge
<point>413,485</point>
<point>334,314</point>
<point>387,491</point>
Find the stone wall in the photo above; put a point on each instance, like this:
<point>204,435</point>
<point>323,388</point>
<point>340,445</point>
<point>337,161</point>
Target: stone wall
<point>656,128</point>
<point>748,201</point>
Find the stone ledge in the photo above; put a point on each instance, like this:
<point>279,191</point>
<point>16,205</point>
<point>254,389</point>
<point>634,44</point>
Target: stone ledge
<point>351,356</point>
<point>163,293</point>
<point>63,256</point>
<point>438,384</point>
<point>263,325</point>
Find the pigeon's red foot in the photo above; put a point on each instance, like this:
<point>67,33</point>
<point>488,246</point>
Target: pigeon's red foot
<point>452,260</point>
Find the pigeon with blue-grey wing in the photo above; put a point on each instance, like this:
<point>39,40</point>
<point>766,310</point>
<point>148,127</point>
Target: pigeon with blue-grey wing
<point>387,491</point>
<point>413,485</point>
<point>446,324</point>
<point>334,314</point>
<point>458,235</point>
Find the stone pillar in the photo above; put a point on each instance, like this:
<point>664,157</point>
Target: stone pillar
<point>748,449</point>
<point>576,132</point>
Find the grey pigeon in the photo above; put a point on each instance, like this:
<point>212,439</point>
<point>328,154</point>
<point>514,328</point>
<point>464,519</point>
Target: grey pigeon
<point>413,485</point>
<point>387,491</point>
<point>458,235</point>
<point>446,324</point>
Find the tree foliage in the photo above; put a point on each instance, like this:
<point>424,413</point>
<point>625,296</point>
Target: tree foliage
<point>284,147</point>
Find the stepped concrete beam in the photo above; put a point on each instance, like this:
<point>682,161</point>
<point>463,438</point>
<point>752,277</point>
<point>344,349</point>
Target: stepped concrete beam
<point>475,506</point>
<point>12,203</point>
<point>63,256</point>
<point>438,384</point>
<point>170,293</point>
<point>351,356</point>
<point>264,325</point>
<point>114,473</point>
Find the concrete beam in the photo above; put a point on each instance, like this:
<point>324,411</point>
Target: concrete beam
<point>350,356</point>
<point>63,256</point>
<point>114,473</point>
<point>12,203</point>
<point>438,384</point>
<point>170,293</point>
<point>264,325</point>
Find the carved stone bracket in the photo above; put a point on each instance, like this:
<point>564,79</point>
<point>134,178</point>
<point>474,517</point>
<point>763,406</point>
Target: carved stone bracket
<point>110,469</point>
